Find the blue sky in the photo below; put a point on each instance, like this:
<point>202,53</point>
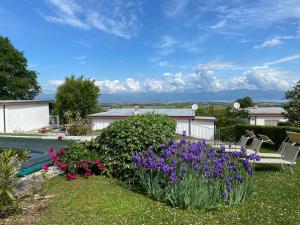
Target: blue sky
<point>159,46</point>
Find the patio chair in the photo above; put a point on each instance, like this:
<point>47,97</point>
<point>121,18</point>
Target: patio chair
<point>279,154</point>
<point>241,143</point>
<point>254,147</point>
<point>292,138</point>
<point>250,134</point>
<point>289,157</point>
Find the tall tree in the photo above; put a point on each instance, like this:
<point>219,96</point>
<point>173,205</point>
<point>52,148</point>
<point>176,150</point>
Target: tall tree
<point>293,106</point>
<point>16,81</point>
<point>77,95</point>
<point>245,102</point>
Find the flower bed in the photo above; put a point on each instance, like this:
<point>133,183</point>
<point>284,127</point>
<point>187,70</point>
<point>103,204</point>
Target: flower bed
<point>194,175</point>
<point>76,160</point>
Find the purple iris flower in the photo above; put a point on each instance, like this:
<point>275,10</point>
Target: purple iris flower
<point>183,169</point>
<point>236,154</point>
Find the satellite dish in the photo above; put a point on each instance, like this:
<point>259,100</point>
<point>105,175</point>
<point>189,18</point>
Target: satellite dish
<point>194,107</point>
<point>236,105</point>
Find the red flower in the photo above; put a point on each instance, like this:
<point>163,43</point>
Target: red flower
<point>45,167</point>
<point>85,167</point>
<point>60,138</point>
<point>101,167</point>
<point>71,176</point>
<point>57,158</point>
<point>50,150</point>
<point>62,151</point>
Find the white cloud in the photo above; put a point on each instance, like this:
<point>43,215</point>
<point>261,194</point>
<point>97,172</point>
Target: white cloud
<point>116,17</point>
<point>216,65</point>
<point>165,64</point>
<point>66,12</point>
<point>168,44</point>
<point>81,59</point>
<point>116,86</point>
<point>249,15</point>
<point>220,24</point>
<point>269,43</point>
<point>283,60</point>
<point>175,7</point>
<point>55,83</point>
<point>206,78</point>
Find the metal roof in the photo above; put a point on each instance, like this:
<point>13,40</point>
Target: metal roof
<point>124,112</point>
<point>266,110</point>
<point>130,111</point>
<point>20,102</point>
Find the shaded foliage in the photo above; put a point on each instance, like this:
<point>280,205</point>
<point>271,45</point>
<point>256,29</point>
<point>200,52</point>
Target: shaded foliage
<point>16,81</point>
<point>245,102</point>
<point>293,106</point>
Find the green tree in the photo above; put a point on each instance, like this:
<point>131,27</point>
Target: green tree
<point>245,102</point>
<point>77,95</point>
<point>16,81</point>
<point>293,106</point>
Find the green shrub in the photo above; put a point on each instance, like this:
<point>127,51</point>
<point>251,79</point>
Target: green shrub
<point>226,122</point>
<point>276,133</point>
<point>120,139</point>
<point>79,128</point>
<point>9,167</point>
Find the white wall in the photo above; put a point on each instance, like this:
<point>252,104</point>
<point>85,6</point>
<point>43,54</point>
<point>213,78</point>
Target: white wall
<point>260,120</point>
<point>26,117</point>
<point>199,128</point>
<point>99,124</point>
<point>182,125</point>
<point>203,129</point>
<point>1,119</point>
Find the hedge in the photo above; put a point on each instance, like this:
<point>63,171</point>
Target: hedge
<point>276,133</point>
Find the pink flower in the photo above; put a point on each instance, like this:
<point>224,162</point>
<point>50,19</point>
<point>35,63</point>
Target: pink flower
<point>82,161</point>
<point>60,138</point>
<point>61,165</point>
<point>50,150</point>
<point>52,155</point>
<point>62,151</point>
<point>45,167</point>
<point>57,158</point>
<point>71,176</point>
<point>85,167</point>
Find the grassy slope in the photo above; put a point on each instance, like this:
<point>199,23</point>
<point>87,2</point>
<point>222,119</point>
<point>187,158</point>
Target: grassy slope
<point>100,200</point>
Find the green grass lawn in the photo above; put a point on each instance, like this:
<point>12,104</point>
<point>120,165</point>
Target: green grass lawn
<point>100,200</point>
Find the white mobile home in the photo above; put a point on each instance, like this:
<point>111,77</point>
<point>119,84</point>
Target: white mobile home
<point>23,115</point>
<point>195,126</point>
<point>266,116</point>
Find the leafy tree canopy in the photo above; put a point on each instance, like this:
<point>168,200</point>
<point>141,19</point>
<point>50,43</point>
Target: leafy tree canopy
<point>16,81</point>
<point>293,106</point>
<point>77,95</point>
<point>245,102</point>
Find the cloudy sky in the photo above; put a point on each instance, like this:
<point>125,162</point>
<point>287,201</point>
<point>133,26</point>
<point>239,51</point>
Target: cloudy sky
<point>132,46</point>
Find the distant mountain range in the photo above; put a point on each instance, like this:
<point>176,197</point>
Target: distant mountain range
<point>221,96</point>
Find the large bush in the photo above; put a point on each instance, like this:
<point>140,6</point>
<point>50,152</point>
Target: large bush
<point>192,175</point>
<point>120,139</point>
<point>276,133</point>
